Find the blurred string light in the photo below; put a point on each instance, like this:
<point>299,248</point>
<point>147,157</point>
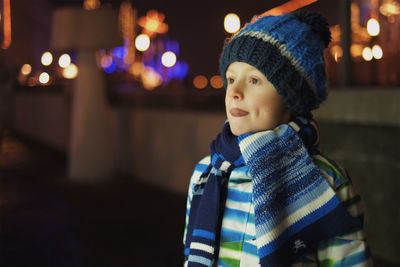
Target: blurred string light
<point>46,59</point>
<point>64,60</point>
<point>44,78</point>
<point>154,61</point>
<point>377,52</point>
<point>168,59</point>
<point>200,82</point>
<point>136,69</point>
<point>65,69</point>
<point>373,27</point>
<point>142,42</point>
<point>113,60</point>
<point>26,69</point>
<point>356,50</point>
<point>151,79</point>
<point>367,54</point>
<point>105,59</point>
<point>231,23</point>
<point>91,4</point>
<point>362,36</point>
<point>70,72</point>
<point>216,82</point>
<point>153,23</point>
<point>6,24</point>
<point>390,9</point>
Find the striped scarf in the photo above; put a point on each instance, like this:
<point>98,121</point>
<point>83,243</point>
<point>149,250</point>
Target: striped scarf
<point>295,207</point>
<point>208,201</point>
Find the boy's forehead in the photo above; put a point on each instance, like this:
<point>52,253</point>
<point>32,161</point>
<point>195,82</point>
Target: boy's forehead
<point>239,66</point>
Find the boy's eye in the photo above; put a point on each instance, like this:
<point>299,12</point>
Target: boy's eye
<point>254,81</point>
<point>230,80</point>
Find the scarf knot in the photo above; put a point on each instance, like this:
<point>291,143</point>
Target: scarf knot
<point>220,163</point>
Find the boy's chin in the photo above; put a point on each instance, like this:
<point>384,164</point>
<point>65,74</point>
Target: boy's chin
<point>234,131</point>
<point>237,131</point>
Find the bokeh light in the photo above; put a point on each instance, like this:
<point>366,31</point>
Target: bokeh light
<point>151,79</point>
<point>168,59</point>
<point>367,54</point>
<point>377,52</point>
<point>373,27</point>
<point>231,23</point>
<point>336,52</point>
<point>26,69</point>
<point>47,58</point>
<point>142,42</point>
<point>106,61</point>
<point>70,72</point>
<point>356,50</point>
<point>64,60</point>
<point>136,69</point>
<point>200,82</point>
<point>216,82</point>
<point>44,78</point>
<point>91,4</point>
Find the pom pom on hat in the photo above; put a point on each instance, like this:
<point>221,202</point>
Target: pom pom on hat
<point>288,50</point>
<point>317,22</point>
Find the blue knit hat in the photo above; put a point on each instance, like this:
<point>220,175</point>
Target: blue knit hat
<point>288,50</point>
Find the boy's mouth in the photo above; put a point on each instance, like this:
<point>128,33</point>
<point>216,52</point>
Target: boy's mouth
<point>237,112</point>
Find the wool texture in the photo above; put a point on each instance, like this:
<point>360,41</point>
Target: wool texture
<point>295,207</point>
<point>288,50</point>
<point>202,241</point>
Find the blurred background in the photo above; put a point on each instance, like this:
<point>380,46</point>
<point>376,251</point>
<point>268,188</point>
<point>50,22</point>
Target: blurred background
<point>106,106</point>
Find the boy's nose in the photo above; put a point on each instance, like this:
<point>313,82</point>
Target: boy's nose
<point>236,92</point>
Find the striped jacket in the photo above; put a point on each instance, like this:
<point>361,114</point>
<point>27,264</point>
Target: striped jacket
<point>238,243</point>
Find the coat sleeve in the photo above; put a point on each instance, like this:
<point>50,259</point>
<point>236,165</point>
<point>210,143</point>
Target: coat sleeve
<point>352,248</point>
<point>200,167</point>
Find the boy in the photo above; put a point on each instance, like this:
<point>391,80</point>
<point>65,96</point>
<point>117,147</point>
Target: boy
<point>266,196</point>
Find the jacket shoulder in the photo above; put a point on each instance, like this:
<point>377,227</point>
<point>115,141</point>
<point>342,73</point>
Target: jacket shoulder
<point>341,183</point>
<point>335,174</point>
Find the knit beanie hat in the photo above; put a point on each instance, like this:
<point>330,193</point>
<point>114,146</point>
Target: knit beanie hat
<point>288,50</point>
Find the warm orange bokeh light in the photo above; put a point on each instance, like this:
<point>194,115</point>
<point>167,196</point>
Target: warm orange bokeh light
<point>150,78</point>
<point>153,23</point>
<point>91,4</point>
<point>216,82</point>
<point>390,8</point>
<point>200,81</point>
<point>26,69</point>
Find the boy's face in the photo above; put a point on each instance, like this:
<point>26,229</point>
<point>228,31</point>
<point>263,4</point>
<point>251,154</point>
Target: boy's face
<point>252,102</point>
